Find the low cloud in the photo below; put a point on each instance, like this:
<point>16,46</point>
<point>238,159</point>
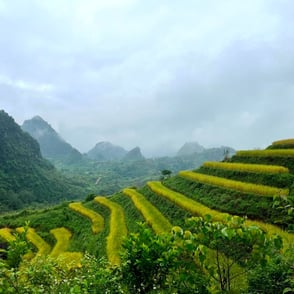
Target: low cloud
<point>151,74</point>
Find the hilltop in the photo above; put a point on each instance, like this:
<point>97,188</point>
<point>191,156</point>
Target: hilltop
<point>53,147</point>
<point>106,151</point>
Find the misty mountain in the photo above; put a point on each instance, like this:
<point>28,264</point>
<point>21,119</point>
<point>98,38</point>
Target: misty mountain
<point>53,147</point>
<point>134,155</point>
<point>25,176</point>
<point>189,148</point>
<point>106,151</point>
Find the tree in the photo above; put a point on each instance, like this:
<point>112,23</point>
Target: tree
<point>165,174</point>
<point>234,248</point>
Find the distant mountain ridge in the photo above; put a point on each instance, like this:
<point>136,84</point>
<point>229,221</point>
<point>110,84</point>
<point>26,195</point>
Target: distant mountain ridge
<point>106,151</point>
<point>134,154</point>
<point>194,148</point>
<point>52,145</point>
<point>189,148</point>
<point>25,176</point>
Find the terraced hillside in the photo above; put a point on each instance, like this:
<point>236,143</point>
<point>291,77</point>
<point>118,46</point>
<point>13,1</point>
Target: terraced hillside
<point>247,185</point>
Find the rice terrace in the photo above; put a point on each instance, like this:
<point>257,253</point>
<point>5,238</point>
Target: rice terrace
<point>226,227</point>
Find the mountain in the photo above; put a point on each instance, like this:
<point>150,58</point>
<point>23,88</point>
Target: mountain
<point>106,151</point>
<point>53,147</point>
<point>190,148</point>
<point>134,155</point>
<point>25,176</point>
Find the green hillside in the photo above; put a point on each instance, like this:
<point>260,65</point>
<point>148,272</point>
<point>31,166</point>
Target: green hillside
<point>26,178</point>
<point>231,254</point>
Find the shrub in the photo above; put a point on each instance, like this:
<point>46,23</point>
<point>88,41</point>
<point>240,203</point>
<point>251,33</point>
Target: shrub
<point>156,263</point>
<point>42,246</point>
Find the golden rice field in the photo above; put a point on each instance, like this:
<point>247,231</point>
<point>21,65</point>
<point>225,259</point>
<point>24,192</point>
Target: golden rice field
<point>153,217</point>
<point>284,142</point>
<point>62,236</point>
<point>266,153</point>
<point>6,234</point>
<point>43,247</point>
<point>261,190</point>
<point>199,209</point>
<point>96,219</point>
<point>118,229</point>
<point>247,167</point>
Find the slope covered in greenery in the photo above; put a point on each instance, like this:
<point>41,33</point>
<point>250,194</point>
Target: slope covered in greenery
<point>245,254</point>
<point>25,176</point>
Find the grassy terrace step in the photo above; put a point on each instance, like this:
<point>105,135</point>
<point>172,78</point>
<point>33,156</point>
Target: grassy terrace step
<point>266,153</point>
<point>62,236</point>
<point>284,142</point>
<point>186,203</point>
<point>96,219</point>
<point>152,215</point>
<point>118,229</point>
<point>261,190</point>
<point>43,247</point>
<point>202,210</point>
<point>254,168</point>
<point>278,180</point>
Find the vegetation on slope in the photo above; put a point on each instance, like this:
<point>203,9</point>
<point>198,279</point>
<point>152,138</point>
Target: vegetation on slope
<point>25,177</point>
<point>245,258</point>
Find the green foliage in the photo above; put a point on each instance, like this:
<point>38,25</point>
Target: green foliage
<point>265,159</point>
<point>229,201</point>
<point>25,177</point>
<point>45,275</point>
<point>233,244</point>
<point>17,248</point>
<point>154,263</point>
<point>276,277</point>
<point>286,206</point>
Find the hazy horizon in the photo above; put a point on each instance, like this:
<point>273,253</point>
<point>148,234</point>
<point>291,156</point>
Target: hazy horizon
<point>153,74</point>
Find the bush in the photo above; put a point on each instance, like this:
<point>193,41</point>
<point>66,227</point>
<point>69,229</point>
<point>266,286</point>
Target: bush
<point>274,278</point>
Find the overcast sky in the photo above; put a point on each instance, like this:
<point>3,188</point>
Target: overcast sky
<point>151,73</point>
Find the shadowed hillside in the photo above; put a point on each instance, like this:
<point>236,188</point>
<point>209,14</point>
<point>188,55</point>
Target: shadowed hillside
<point>25,177</point>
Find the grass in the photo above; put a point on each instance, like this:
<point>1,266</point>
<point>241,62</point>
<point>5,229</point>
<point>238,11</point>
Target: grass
<point>261,190</point>
<point>201,210</point>
<point>266,153</point>
<point>42,246</point>
<point>184,202</point>
<point>118,229</point>
<point>254,168</point>
<point>152,215</point>
<point>6,234</point>
<point>62,236</point>
<point>96,219</point>
<point>284,142</point>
